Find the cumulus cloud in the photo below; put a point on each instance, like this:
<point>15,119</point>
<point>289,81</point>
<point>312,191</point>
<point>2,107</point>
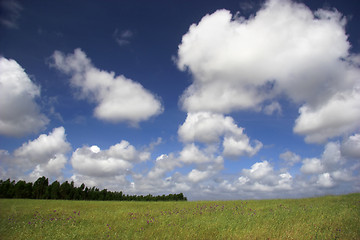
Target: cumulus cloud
<point>52,168</point>
<point>118,160</point>
<point>262,177</point>
<point>325,180</point>
<point>312,166</point>
<point>43,156</point>
<point>191,154</point>
<point>290,158</point>
<point>196,175</point>
<point>44,147</point>
<point>208,128</point>
<point>163,164</point>
<point>117,98</point>
<point>240,64</point>
<point>326,174</point>
<point>331,160</point>
<point>351,147</point>
<point>19,113</point>
<point>332,169</point>
<point>319,124</point>
<point>236,146</point>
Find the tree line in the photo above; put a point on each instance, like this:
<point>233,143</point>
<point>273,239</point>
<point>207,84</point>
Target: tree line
<point>41,189</point>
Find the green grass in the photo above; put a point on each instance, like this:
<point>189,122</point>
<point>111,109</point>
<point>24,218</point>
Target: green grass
<point>330,217</point>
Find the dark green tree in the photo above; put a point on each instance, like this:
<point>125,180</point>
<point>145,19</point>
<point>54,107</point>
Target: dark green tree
<point>40,187</point>
<point>65,189</point>
<point>20,189</point>
<point>55,190</point>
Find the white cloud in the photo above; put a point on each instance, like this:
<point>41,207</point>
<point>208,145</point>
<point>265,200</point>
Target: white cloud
<point>325,180</point>
<point>19,113</point>
<point>163,164</point>
<point>43,156</point>
<point>44,147</point>
<point>86,162</point>
<point>342,175</point>
<point>117,98</point>
<point>351,147</point>
<point>331,157</point>
<point>290,158</point>
<point>192,154</point>
<point>272,108</point>
<point>312,166</point>
<point>259,170</point>
<point>53,168</point>
<point>118,160</point>
<point>262,177</point>
<point>126,151</point>
<point>331,160</point>
<point>240,64</point>
<point>331,170</point>
<point>10,13</point>
<point>341,114</point>
<point>206,127</point>
<point>327,174</point>
<point>240,146</point>
<point>196,175</point>
<point>112,183</point>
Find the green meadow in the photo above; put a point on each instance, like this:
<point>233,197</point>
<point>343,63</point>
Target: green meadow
<point>329,217</point>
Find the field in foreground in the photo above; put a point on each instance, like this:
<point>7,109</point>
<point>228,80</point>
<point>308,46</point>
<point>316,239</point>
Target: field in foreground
<point>330,217</point>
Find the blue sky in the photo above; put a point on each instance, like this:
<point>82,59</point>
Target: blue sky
<point>215,99</point>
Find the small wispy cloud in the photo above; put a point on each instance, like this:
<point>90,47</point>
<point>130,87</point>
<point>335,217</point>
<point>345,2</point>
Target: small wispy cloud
<point>248,6</point>
<point>10,13</point>
<point>123,37</point>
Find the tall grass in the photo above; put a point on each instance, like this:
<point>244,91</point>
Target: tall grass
<point>330,217</point>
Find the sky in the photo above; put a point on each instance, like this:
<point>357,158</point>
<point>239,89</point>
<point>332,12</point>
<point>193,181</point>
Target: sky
<point>232,99</point>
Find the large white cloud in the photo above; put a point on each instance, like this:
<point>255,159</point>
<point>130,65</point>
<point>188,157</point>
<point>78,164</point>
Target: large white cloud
<point>341,114</point>
<point>19,112</point>
<point>44,147</point>
<point>208,128</point>
<point>117,98</point>
<point>43,156</point>
<point>285,48</point>
<point>118,160</point>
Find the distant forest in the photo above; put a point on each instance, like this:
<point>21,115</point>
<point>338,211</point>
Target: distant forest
<point>42,190</point>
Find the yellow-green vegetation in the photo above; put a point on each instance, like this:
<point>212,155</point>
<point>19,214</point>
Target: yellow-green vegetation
<point>330,217</point>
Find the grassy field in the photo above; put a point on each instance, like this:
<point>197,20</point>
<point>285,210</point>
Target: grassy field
<point>330,217</point>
